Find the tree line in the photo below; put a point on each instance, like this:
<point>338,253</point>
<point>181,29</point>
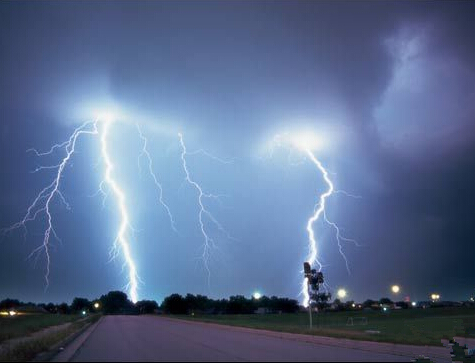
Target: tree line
<point>117,302</point>
<point>177,304</point>
<point>114,302</point>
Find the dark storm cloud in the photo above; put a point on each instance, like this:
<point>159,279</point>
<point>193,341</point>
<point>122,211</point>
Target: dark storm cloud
<point>397,76</point>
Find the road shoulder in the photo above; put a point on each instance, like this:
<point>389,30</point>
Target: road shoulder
<point>73,344</point>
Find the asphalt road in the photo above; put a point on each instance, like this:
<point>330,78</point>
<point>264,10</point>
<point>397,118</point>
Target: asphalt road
<point>151,338</point>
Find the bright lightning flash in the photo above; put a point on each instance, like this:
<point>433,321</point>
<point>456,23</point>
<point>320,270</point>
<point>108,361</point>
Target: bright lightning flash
<point>125,221</point>
<point>306,142</point>
<point>42,204</point>
<point>320,208</point>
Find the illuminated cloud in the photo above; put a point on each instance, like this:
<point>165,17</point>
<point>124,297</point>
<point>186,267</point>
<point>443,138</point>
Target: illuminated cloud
<point>430,96</point>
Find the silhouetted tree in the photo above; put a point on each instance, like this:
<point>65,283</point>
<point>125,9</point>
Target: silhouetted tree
<point>8,304</point>
<point>175,304</point>
<point>116,302</point>
<point>385,301</point>
<point>321,300</point>
<point>80,304</point>
<point>51,308</point>
<point>146,306</point>
<point>198,303</point>
<point>369,303</point>
<point>403,304</point>
<point>277,304</point>
<point>240,304</point>
<point>63,308</point>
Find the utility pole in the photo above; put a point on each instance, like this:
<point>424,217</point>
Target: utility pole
<point>309,304</point>
<point>308,275</point>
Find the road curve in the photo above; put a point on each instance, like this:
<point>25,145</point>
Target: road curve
<point>155,339</point>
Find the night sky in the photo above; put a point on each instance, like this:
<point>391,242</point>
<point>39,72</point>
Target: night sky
<point>389,86</point>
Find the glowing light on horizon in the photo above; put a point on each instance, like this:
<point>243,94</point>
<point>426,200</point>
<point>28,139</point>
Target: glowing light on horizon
<point>341,293</point>
<point>256,295</point>
<point>435,296</point>
<point>395,288</point>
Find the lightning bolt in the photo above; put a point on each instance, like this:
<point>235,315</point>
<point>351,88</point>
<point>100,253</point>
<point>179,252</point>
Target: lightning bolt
<point>42,203</point>
<point>305,142</point>
<point>319,211</point>
<point>146,154</point>
<point>125,226</point>
<point>312,258</point>
<point>209,243</point>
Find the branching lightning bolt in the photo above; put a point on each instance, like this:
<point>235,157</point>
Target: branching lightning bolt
<point>146,154</point>
<point>209,243</point>
<point>320,211</point>
<point>42,202</point>
<point>125,226</point>
<point>306,142</point>
<point>320,208</point>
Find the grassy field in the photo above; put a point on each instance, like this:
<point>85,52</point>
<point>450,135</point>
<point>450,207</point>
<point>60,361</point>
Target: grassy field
<point>28,349</point>
<point>413,326</point>
<point>23,325</point>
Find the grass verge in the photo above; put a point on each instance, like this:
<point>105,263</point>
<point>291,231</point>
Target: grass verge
<point>413,327</point>
<point>28,350</point>
<point>26,324</point>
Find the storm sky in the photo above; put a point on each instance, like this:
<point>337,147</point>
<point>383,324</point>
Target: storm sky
<point>389,87</point>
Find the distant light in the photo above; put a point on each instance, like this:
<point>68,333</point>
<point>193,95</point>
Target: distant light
<point>96,305</point>
<point>83,312</point>
<point>3,313</point>
<point>385,309</point>
<point>353,305</point>
<point>414,304</point>
<point>12,313</point>
<point>341,293</point>
<point>257,295</point>
<point>471,299</point>
<point>435,296</point>
<point>395,288</point>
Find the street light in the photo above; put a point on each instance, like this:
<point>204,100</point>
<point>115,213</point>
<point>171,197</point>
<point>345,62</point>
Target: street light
<point>395,288</point>
<point>435,296</point>
<point>341,293</point>
<point>96,305</point>
<point>257,295</point>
